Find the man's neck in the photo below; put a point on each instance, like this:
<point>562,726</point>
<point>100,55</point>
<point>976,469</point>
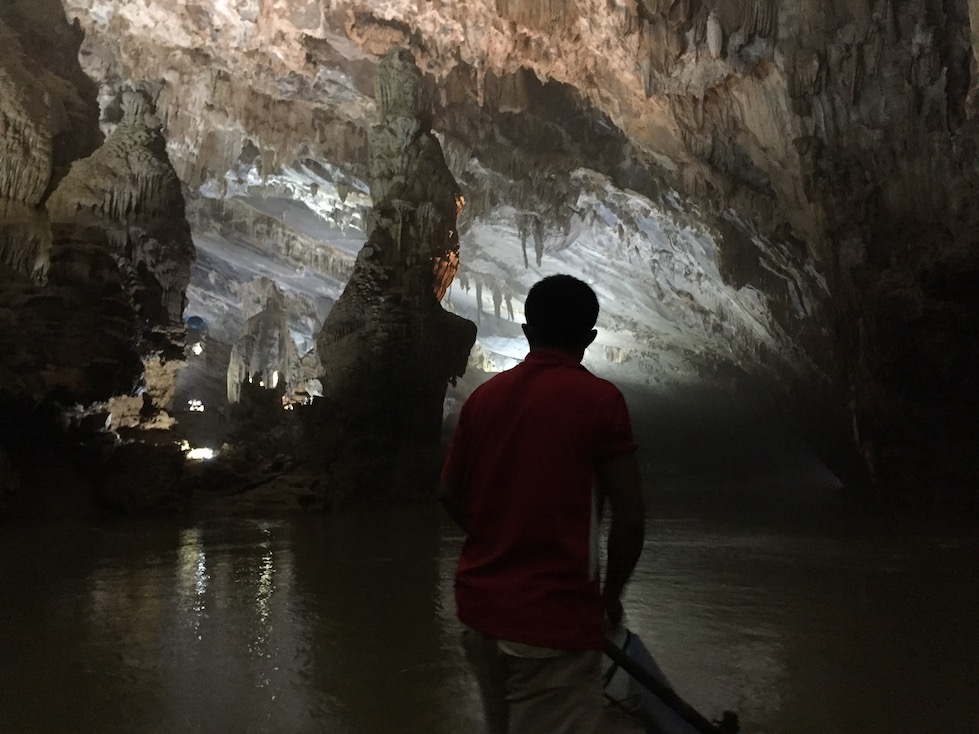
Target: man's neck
<point>577,355</point>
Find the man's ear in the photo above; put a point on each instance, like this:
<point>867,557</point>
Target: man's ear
<point>528,332</point>
<point>591,337</point>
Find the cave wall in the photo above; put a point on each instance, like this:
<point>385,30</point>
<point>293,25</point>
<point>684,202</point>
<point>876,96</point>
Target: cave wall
<point>58,282</point>
<point>92,276</point>
<point>845,127</point>
<point>837,134</point>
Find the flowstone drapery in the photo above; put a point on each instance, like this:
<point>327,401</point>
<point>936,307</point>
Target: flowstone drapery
<point>388,348</point>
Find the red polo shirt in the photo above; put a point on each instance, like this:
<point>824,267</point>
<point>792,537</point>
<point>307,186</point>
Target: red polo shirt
<point>524,456</point>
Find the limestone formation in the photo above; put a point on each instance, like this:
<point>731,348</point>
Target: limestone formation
<point>25,240</point>
<point>388,348</point>
<point>48,117</point>
<point>94,262</point>
<point>48,111</point>
<point>74,339</point>
<point>780,189</point>
<point>58,286</point>
<point>265,355</point>
<point>129,187</point>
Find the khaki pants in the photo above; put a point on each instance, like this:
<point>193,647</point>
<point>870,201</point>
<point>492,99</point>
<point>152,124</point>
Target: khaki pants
<point>536,691</point>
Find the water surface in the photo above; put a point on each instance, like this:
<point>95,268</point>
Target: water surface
<point>344,624</point>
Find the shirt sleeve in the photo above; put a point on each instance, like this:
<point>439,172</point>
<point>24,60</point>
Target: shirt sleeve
<point>617,437</point>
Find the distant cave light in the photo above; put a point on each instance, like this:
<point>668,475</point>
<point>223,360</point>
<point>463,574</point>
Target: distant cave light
<point>291,400</point>
<point>195,406</point>
<point>197,349</point>
<point>196,454</point>
<point>275,378</point>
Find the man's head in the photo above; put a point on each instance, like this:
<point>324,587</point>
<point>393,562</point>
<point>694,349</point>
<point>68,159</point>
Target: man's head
<point>561,312</point>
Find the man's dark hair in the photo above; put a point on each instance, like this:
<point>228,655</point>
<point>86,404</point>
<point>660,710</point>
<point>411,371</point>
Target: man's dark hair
<point>561,311</point>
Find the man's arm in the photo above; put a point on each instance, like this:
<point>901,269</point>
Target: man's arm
<point>618,480</point>
<point>451,497</point>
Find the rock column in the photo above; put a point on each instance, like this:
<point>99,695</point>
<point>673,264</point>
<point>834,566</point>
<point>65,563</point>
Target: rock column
<point>388,348</point>
<point>129,190</point>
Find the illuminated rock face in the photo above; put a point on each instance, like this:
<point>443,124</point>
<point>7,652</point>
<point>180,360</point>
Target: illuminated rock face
<point>94,259</point>
<point>265,352</point>
<point>388,348</point>
<point>48,113</point>
<point>113,221</point>
<point>59,286</point>
<point>778,190</point>
<point>129,189</point>
<point>48,118</point>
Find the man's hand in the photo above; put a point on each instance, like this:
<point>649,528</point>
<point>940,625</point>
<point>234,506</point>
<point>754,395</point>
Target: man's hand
<point>613,612</point>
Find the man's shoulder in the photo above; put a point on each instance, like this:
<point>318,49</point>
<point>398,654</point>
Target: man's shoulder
<point>499,381</point>
<point>571,376</point>
<point>606,385</point>
<point>591,381</point>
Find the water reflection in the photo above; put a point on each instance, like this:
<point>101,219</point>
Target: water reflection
<point>367,576</point>
<point>803,633</point>
<point>193,573</point>
<point>346,624</point>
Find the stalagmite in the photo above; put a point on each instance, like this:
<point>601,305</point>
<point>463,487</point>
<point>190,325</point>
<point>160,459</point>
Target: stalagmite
<point>266,346</point>
<point>388,348</point>
<point>67,325</point>
<point>129,189</point>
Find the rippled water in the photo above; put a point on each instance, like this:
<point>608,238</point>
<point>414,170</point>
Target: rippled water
<point>345,624</point>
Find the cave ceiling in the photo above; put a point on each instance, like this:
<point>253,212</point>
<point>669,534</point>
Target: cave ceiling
<point>761,191</point>
<point>565,158</point>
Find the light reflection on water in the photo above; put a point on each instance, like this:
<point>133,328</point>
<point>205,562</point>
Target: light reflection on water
<point>345,624</point>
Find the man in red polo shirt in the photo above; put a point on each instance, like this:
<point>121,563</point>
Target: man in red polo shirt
<point>537,452</point>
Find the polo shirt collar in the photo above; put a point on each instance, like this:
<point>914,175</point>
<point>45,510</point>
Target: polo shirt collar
<point>550,356</point>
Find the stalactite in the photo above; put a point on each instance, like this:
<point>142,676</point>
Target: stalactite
<point>760,18</point>
<point>539,239</point>
<point>266,347</point>
<point>536,14</point>
<point>524,231</point>
<point>25,150</point>
<point>25,240</point>
<point>715,36</point>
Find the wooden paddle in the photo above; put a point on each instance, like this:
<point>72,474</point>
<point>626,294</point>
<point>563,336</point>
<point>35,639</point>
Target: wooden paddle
<point>729,720</point>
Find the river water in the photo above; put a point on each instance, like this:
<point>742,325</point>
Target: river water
<point>802,622</point>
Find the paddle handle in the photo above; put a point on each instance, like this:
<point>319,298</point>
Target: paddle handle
<point>666,694</point>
